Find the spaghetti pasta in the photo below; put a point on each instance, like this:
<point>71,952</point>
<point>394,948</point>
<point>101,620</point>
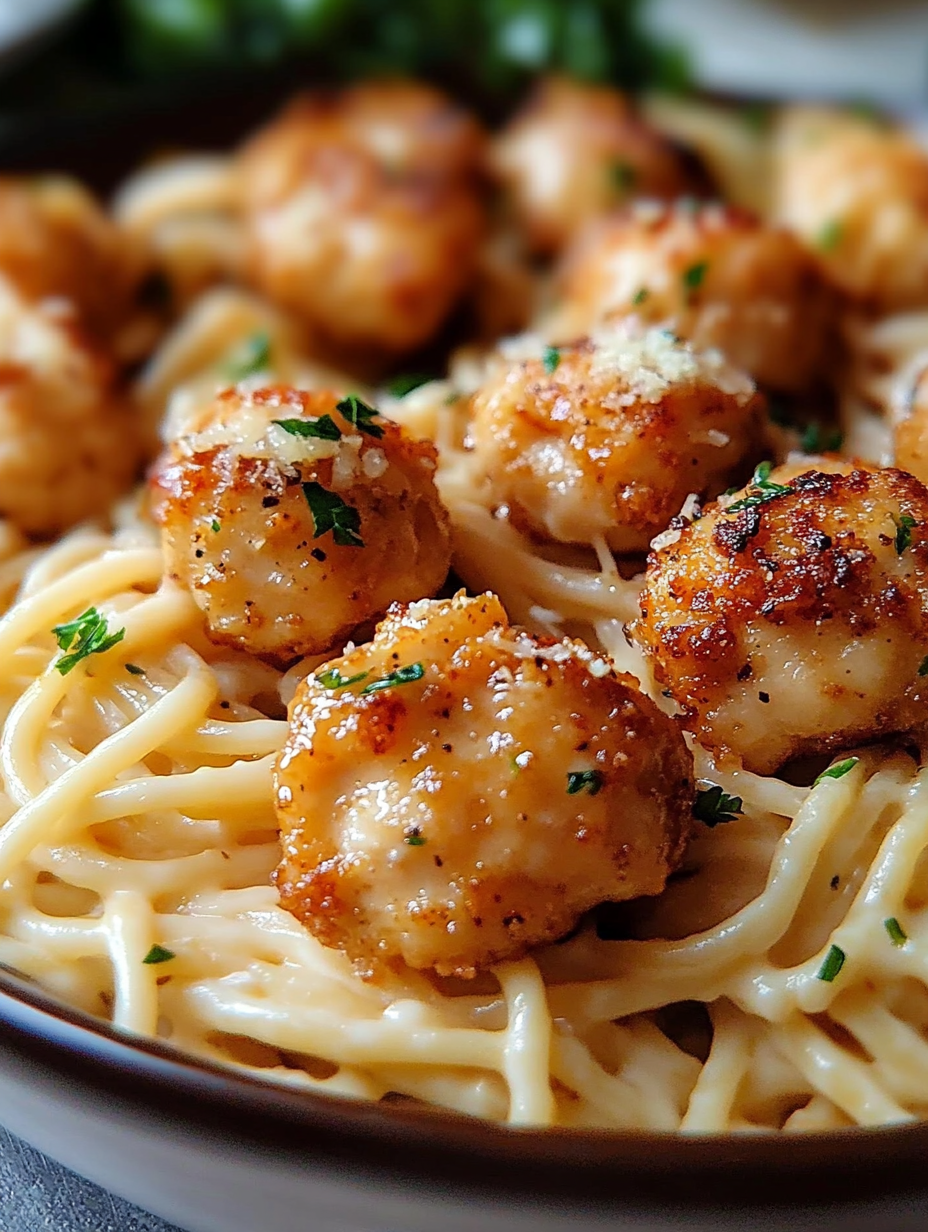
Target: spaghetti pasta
<point>139,813</point>
<point>779,983</point>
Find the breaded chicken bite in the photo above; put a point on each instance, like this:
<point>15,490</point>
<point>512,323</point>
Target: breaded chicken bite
<point>57,243</point>
<point>715,275</point>
<point>413,128</point>
<point>910,432</point>
<point>296,517</point>
<point>792,618</point>
<point>68,442</point>
<point>458,791</point>
<point>856,192</point>
<point>576,151</point>
<point>608,436</point>
<point>363,213</point>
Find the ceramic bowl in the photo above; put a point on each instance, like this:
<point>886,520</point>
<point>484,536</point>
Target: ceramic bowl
<point>213,1150</point>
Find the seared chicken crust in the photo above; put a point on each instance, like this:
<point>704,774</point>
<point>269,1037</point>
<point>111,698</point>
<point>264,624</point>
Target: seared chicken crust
<point>792,619</point>
<point>609,435</point>
<point>477,808</point>
<point>290,542</point>
<point>715,275</point>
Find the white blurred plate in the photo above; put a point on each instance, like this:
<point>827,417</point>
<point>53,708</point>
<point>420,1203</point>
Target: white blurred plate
<point>852,49</point>
<point>26,22</point>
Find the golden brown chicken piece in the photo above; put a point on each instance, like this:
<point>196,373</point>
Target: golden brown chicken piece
<point>792,618</point>
<point>364,213</point>
<point>296,517</point>
<point>714,275</point>
<point>458,791</point>
<point>576,151</point>
<point>57,243</point>
<point>608,436</point>
<point>68,442</point>
<point>856,192</point>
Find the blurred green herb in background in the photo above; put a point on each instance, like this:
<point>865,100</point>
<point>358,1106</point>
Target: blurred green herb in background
<point>487,47</point>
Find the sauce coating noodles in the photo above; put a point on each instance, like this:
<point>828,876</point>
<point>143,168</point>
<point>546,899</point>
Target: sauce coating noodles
<point>780,981</point>
<point>138,812</point>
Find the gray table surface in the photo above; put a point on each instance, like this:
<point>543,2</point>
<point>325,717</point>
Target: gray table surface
<point>36,1195</point>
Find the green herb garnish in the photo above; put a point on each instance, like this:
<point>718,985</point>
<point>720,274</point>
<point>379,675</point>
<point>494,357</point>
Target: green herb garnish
<point>838,771</point>
<point>897,933</point>
<point>254,356</point>
<point>756,117</point>
<point>324,428</point>
<point>623,176</point>
<point>816,439</point>
<point>406,382</point>
<point>590,781</point>
<point>778,411</point>
<point>640,296</point>
<point>158,954</point>
<point>764,490</point>
<point>330,513</point>
<point>215,526</point>
<point>82,637</point>
<point>333,679</point>
<point>134,670</point>
<point>923,667</point>
<point>414,839</point>
<point>830,236</point>
<point>694,275</point>
<point>402,675</point>
<point>834,961</point>
<point>713,806</point>
<point>904,524</point>
<point>360,415</point>
<point>551,359</point>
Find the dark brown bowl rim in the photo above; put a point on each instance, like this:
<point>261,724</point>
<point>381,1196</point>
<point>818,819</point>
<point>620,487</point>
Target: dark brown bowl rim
<point>418,1147</point>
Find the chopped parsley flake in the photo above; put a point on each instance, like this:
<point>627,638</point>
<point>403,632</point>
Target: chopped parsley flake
<point>904,524</point>
<point>764,491</point>
<point>406,382</point>
<point>834,961</point>
<point>694,275</point>
<point>923,667</point>
<point>830,236</point>
<point>623,176</point>
<point>551,359</point>
<point>402,675</point>
<point>756,117</point>
<point>414,839</point>
<point>640,296</point>
<point>360,415</point>
<point>778,411</point>
<point>254,356</point>
<point>82,637</point>
<point>324,428</point>
<point>330,513</point>
<point>897,933</point>
<point>333,679</point>
<point>818,439</point>
<point>158,954</point>
<point>590,781</point>
<point>134,670</point>
<point>215,526</point>
<point>838,771</point>
<point>713,806</point>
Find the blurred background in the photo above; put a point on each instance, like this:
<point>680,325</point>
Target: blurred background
<point>206,69</point>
